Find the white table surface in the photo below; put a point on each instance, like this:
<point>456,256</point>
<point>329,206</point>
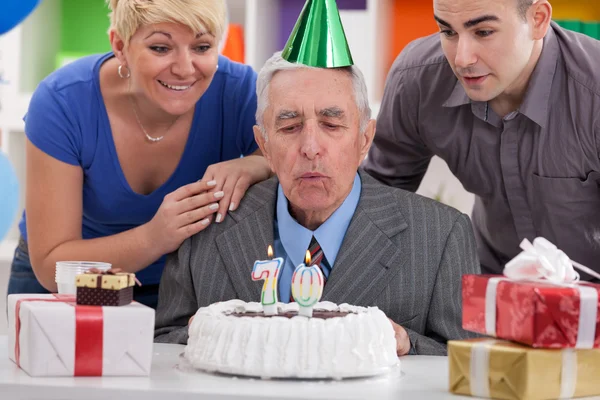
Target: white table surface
<point>418,377</point>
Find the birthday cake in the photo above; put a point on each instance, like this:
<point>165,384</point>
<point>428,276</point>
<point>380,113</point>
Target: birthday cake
<point>338,341</point>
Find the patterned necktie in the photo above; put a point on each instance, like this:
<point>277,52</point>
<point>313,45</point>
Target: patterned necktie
<point>317,257</point>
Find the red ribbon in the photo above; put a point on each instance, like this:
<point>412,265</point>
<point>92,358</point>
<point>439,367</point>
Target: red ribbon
<point>89,327</point>
<point>88,340</point>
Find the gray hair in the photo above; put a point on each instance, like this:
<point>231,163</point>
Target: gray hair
<point>276,63</point>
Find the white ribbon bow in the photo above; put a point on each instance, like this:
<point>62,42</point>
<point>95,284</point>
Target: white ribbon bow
<point>543,260</point>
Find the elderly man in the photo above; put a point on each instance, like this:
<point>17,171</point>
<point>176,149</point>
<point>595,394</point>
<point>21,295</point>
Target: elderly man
<point>381,246</point>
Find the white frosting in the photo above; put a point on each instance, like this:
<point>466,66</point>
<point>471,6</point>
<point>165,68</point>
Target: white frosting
<point>361,343</point>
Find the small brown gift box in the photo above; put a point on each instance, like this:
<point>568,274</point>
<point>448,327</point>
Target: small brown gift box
<point>500,369</point>
<point>110,288</point>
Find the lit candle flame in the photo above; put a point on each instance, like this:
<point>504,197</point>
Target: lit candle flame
<point>307,258</point>
<point>270,252</point>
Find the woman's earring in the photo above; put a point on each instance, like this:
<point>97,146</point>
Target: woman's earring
<point>217,66</point>
<point>120,71</point>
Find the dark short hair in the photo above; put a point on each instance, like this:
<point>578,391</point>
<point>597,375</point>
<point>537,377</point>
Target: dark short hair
<point>523,6</point>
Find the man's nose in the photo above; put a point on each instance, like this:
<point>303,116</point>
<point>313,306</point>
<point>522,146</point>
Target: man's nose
<point>310,147</point>
<point>183,65</point>
<point>465,53</point>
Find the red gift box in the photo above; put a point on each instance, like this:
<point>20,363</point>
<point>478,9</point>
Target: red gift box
<point>534,313</point>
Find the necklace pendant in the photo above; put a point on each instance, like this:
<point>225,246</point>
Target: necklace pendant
<point>137,118</point>
<point>153,139</point>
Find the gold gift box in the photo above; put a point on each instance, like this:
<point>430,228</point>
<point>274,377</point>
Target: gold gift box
<point>116,281</point>
<point>521,372</point>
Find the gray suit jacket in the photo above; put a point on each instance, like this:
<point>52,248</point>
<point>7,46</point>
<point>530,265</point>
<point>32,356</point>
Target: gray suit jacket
<point>402,253</point>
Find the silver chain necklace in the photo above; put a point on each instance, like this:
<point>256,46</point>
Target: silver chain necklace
<point>150,138</point>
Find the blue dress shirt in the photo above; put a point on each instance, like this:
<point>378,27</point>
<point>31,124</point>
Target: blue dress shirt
<point>291,239</point>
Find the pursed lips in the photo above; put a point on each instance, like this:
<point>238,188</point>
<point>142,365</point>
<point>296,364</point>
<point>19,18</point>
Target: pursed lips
<point>312,176</point>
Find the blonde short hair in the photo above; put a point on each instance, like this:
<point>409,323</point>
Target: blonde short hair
<point>126,16</point>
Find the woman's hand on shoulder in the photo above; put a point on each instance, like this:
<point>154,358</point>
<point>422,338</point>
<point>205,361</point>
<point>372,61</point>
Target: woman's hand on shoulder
<point>183,213</point>
<point>234,177</point>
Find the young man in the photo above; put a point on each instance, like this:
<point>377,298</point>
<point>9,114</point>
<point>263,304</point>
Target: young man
<point>511,102</point>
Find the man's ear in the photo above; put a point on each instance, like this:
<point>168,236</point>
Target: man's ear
<point>366,139</point>
<point>540,14</point>
<point>263,144</point>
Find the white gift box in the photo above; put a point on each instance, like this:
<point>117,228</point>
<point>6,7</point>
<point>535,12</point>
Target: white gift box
<point>49,326</point>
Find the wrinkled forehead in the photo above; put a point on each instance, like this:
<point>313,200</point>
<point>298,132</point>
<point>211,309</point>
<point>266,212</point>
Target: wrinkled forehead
<point>311,90</point>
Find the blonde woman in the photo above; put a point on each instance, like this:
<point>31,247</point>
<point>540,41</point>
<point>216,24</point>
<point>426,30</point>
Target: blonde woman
<point>133,151</point>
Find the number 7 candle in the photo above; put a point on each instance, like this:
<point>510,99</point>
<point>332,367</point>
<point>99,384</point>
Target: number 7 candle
<point>268,270</point>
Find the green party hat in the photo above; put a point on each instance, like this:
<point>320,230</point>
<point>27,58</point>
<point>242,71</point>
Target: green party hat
<point>318,39</point>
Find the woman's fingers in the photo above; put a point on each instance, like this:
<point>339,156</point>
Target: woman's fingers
<point>238,193</point>
<point>192,189</point>
<point>215,173</point>
<point>202,215</point>
<point>198,201</point>
<point>192,229</point>
<point>228,190</point>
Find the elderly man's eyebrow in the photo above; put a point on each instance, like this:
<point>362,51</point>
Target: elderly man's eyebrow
<point>287,114</point>
<point>332,112</point>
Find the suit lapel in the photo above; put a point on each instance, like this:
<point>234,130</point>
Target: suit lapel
<point>247,241</point>
<point>368,257</point>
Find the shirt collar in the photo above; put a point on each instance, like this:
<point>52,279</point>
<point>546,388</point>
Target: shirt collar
<point>537,98</point>
<point>536,102</point>
<point>458,97</point>
<point>296,238</point>
<point>480,109</point>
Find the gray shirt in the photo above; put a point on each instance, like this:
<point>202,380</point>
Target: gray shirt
<point>535,172</point>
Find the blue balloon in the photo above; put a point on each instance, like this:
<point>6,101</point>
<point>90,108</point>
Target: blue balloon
<point>12,12</point>
<point>9,195</point>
